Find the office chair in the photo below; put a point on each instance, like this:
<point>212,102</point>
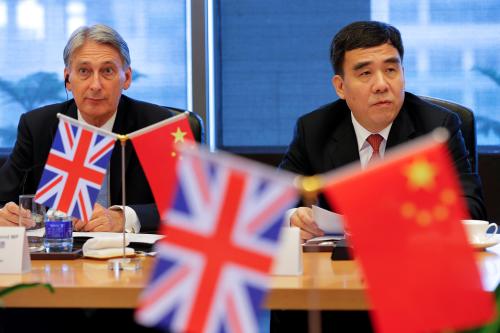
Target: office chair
<point>195,122</point>
<point>468,126</point>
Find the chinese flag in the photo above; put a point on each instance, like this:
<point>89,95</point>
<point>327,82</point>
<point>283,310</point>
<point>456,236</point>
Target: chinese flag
<point>155,146</point>
<point>404,216</point>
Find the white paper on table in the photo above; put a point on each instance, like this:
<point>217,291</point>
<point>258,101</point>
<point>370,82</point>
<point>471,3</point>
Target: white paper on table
<point>36,232</point>
<point>133,238</point>
<point>331,223</point>
<point>325,240</point>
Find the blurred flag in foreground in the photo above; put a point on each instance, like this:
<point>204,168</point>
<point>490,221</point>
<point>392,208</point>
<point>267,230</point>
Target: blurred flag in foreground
<point>404,215</point>
<point>494,326</point>
<point>212,268</point>
<point>75,168</point>
<point>155,146</point>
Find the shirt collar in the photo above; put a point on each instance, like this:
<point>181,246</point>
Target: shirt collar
<point>108,126</point>
<point>362,133</point>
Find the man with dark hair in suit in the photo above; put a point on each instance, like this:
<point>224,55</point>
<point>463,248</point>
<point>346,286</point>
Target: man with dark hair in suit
<point>97,70</point>
<point>373,114</point>
<point>373,109</point>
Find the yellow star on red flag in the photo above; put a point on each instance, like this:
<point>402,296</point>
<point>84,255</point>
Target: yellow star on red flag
<point>421,174</point>
<point>178,135</point>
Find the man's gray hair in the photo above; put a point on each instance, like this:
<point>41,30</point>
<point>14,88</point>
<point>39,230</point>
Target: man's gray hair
<point>101,34</point>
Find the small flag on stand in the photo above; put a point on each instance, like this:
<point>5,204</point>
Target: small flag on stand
<point>75,168</point>
<point>404,215</point>
<point>223,226</point>
<point>155,146</point>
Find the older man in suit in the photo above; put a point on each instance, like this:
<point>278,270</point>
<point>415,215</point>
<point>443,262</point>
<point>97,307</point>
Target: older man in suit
<point>97,70</point>
<point>373,114</point>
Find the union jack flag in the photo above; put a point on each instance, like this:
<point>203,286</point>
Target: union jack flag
<point>75,168</point>
<point>212,268</point>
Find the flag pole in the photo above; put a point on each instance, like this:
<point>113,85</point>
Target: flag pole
<point>124,263</point>
<point>123,141</point>
<point>309,187</point>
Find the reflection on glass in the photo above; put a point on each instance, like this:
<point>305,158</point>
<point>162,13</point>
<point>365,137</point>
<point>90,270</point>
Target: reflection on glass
<point>76,11</point>
<point>30,16</point>
<point>3,14</point>
<point>457,46</point>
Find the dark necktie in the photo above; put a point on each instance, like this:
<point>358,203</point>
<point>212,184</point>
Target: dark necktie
<point>103,196</point>
<point>375,140</point>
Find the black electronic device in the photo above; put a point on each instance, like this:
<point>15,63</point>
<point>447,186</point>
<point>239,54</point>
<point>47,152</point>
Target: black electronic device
<point>341,250</point>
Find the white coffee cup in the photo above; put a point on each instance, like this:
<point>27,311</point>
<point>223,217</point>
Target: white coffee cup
<point>476,230</point>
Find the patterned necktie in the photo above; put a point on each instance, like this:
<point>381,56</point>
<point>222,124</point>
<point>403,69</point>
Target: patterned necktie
<point>375,140</point>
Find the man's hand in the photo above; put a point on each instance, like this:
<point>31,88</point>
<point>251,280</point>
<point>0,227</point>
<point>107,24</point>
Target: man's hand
<point>9,216</point>
<point>102,219</point>
<point>303,218</point>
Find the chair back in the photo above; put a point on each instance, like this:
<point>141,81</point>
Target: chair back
<point>468,127</point>
<point>195,122</point>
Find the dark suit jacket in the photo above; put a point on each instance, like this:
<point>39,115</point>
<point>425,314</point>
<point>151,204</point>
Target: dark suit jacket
<point>325,140</point>
<point>22,171</point>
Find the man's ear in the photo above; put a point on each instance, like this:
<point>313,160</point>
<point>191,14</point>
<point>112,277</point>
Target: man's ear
<point>67,84</point>
<point>338,85</point>
<point>128,78</point>
<point>403,70</point>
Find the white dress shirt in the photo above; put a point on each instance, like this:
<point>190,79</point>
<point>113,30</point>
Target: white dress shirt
<point>132,223</point>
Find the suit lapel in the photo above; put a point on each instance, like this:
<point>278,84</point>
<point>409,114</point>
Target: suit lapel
<point>402,129</point>
<point>343,147</point>
<point>69,109</point>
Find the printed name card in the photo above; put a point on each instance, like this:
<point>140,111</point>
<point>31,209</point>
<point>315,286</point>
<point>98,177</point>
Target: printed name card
<point>14,252</point>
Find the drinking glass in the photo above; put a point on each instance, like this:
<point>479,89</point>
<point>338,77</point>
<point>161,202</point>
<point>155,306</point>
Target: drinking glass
<point>32,217</point>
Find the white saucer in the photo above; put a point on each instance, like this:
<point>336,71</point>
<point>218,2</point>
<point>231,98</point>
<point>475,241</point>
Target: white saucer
<point>487,242</point>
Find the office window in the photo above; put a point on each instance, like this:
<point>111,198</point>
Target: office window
<point>457,49</point>
<point>462,11</point>
<point>406,11</point>
<point>272,61</point>
<point>33,34</point>
<point>273,66</point>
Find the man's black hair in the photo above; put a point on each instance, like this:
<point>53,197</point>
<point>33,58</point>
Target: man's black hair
<point>361,35</point>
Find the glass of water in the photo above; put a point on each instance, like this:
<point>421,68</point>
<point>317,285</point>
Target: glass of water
<point>32,217</point>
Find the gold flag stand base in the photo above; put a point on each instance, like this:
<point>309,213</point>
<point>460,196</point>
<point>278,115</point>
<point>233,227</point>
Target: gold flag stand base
<point>125,264</point>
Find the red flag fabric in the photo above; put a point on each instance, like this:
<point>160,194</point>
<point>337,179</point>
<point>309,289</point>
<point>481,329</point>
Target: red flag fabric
<point>404,216</point>
<point>156,148</point>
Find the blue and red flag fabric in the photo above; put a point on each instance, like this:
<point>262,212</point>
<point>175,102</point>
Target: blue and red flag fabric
<point>222,234</point>
<point>75,168</point>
